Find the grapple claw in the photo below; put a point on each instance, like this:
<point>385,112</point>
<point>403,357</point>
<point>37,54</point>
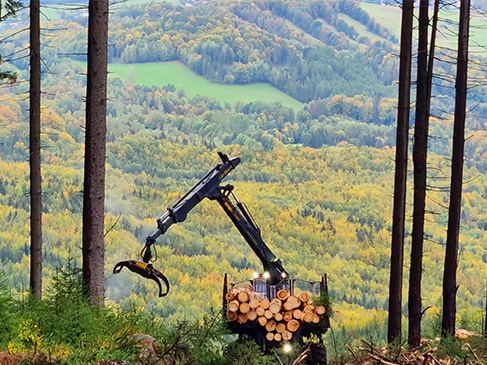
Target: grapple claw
<point>145,270</point>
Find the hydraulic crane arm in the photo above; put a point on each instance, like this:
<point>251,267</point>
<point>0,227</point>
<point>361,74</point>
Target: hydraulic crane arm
<point>247,227</point>
<point>204,188</point>
<point>209,187</point>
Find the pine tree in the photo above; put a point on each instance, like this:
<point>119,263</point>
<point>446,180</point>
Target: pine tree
<point>397,245</point>
<point>35,152</point>
<point>451,255</point>
<point>95,153</point>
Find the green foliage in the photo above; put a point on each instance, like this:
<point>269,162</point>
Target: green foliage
<point>66,314</point>
<point>246,352</point>
<point>11,8</point>
<point>10,76</point>
<point>7,319</point>
<point>198,341</point>
<point>339,340</point>
<point>29,335</point>
<point>65,323</point>
<point>453,347</point>
<point>325,300</point>
<point>66,328</point>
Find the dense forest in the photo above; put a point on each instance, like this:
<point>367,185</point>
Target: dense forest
<point>318,180</point>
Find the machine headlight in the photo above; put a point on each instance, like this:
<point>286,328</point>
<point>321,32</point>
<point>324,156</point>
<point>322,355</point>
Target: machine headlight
<point>287,347</point>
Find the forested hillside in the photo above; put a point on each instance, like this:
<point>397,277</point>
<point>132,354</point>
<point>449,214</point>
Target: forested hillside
<point>317,180</point>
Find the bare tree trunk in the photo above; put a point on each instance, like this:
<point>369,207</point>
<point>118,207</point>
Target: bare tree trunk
<point>485,319</point>
<point>419,161</point>
<point>399,210</point>
<point>420,177</point>
<point>95,153</point>
<point>451,255</point>
<point>35,152</point>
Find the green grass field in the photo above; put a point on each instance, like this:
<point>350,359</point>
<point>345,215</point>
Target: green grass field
<point>387,15</point>
<point>180,76</point>
<point>362,29</point>
<point>390,17</point>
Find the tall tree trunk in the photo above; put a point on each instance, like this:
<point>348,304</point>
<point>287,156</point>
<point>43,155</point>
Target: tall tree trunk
<point>485,319</point>
<point>419,162</point>
<point>95,152</point>
<point>399,210</point>
<point>451,255</point>
<point>35,152</point>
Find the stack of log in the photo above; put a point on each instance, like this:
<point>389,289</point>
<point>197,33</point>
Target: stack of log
<point>281,316</point>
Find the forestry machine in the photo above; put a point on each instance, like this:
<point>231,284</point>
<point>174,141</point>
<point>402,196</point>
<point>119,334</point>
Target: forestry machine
<point>266,285</point>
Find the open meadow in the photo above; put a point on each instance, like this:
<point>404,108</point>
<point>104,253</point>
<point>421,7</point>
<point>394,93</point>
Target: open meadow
<point>180,76</point>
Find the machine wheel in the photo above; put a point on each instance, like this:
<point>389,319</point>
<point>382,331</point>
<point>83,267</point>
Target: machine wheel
<point>317,355</point>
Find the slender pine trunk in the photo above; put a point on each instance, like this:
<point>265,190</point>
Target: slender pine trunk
<point>451,254</point>
<point>35,152</point>
<point>95,152</point>
<point>419,162</point>
<point>399,209</point>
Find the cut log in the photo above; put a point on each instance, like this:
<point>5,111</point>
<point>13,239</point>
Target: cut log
<point>277,337</point>
<point>275,307</point>
<point>292,325</point>
<point>276,300</point>
<point>307,317</point>
<point>296,302</point>
<point>233,306</point>
<point>264,303</point>
<point>287,335</point>
<point>242,318</point>
<point>243,296</point>
<point>270,325</point>
<point>297,314</point>
<point>320,310</point>
<point>260,311</point>
<point>303,296</point>
<point>309,308</point>
<point>316,318</point>
<point>287,316</point>
<point>280,327</point>
<point>269,336</point>
<point>288,305</point>
<point>278,317</point>
<point>262,321</point>
<point>231,316</point>
<point>252,315</point>
<point>292,303</point>
<point>283,294</point>
<point>229,295</point>
<point>254,303</point>
<point>268,314</point>
<point>244,307</point>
